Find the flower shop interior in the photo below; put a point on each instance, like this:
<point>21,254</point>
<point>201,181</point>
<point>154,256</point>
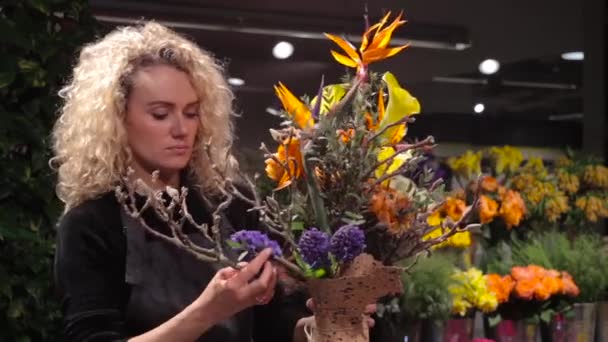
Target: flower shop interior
<point>513,93</point>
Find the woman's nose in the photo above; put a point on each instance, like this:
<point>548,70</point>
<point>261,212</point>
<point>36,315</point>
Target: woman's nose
<point>178,127</point>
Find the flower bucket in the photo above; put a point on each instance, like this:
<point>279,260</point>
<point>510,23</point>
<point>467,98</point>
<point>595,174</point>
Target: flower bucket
<point>458,330</point>
<point>340,303</point>
<point>582,326</point>
<point>427,331</point>
<point>515,331</point>
<point>602,322</point>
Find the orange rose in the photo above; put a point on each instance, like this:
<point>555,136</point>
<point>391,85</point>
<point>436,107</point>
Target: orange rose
<point>539,272</point>
<point>569,287</point>
<point>546,287</point>
<point>525,288</point>
<point>522,273</point>
<point>500,286</point>
<point>512,209</point>
<point>487,209</point>
<point>489,184</point>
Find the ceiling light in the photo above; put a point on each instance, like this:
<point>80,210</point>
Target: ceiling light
<point>235,81</point>
<point>479,108</point>
<point>489,66</point>
<point>282,50</point>
<point>573,56</point>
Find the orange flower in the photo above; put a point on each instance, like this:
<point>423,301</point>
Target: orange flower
<point>525,288</point>
<point>512,209</point>
<point>539,272</point>
<point>369,52</point>
<point>546,287</point>
<point>389,207</point>
<point>299,112</point>
<point>454,208</point>
<point>346,135</point>
<point>569,287</point>
<point>500,286</point>
<point>290,158</point>
<point>488,209</point>
<point>522,273</point>
<point>489,184</point>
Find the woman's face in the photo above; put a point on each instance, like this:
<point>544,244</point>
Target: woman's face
<point>162,120</point>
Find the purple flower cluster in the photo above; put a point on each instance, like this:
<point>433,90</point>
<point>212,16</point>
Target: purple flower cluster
<point>347,243</point>
<point>314,247</point>
<point>254,242</point>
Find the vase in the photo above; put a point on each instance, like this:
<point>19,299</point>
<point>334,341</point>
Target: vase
<point>515,331</point>
<point>601,333</point>
<point>426,331</point>
<point>458,330</point>
<point>340,302</point>
<point>581,327</point>
<point>556,330</point>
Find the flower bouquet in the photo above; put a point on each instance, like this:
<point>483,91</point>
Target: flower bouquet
<point>501,206</point>
<point>345,187</point>
<point>585,183</point>
<point>528,296</point>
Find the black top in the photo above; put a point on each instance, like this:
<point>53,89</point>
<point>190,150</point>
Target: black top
<point>90,274</point>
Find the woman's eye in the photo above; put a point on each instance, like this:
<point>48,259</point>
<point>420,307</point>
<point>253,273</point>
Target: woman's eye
<point>192,115</point>
<point>159,115</point>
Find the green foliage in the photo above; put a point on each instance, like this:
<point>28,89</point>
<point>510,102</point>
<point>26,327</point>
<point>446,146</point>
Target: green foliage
<point>38,41</point>
<point>587,265</point>
<point>426,294</point>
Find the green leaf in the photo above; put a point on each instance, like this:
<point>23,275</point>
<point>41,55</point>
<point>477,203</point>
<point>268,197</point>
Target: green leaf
<point>546,316</point>
<point>15,309</point>
<point>319,273</point>
<point>8,70</point>
<point>234,244</point>
<point>494,320</point>
<point>297,226</point>
<point>27,65</point>
<point>40,5</point>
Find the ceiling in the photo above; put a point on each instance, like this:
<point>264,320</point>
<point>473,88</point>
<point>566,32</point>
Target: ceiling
<point>534,100</point>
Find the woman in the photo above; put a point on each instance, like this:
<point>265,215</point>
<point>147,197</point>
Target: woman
<point>147,99</point>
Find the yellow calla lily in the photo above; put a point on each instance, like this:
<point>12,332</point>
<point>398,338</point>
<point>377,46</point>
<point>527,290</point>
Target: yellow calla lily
<point>400,104</point>
<point>392,166</point>
<point>299,112</point>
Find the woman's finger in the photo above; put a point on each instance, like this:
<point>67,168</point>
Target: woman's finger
<point>370,322</point>
<point>253,267</point>
<point>310,304</point>
<point>371,309</point>
<point>259,286</point>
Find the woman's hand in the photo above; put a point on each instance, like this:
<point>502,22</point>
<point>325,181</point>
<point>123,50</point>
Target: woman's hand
<point>231,291</point>
<point>300,335</point>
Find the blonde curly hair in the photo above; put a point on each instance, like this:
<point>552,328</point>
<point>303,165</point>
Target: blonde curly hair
<point>89,137</point>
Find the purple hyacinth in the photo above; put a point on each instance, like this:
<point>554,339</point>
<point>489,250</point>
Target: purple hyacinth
<point>314,247</point>
<point>347,243</point>
<point>255,241</point>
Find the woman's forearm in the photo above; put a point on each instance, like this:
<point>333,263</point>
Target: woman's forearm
<point>188,325</point>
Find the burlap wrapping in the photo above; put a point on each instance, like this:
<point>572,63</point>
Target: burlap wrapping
<point>340,303</point>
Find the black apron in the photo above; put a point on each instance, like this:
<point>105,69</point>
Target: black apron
<point>165,279</point>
